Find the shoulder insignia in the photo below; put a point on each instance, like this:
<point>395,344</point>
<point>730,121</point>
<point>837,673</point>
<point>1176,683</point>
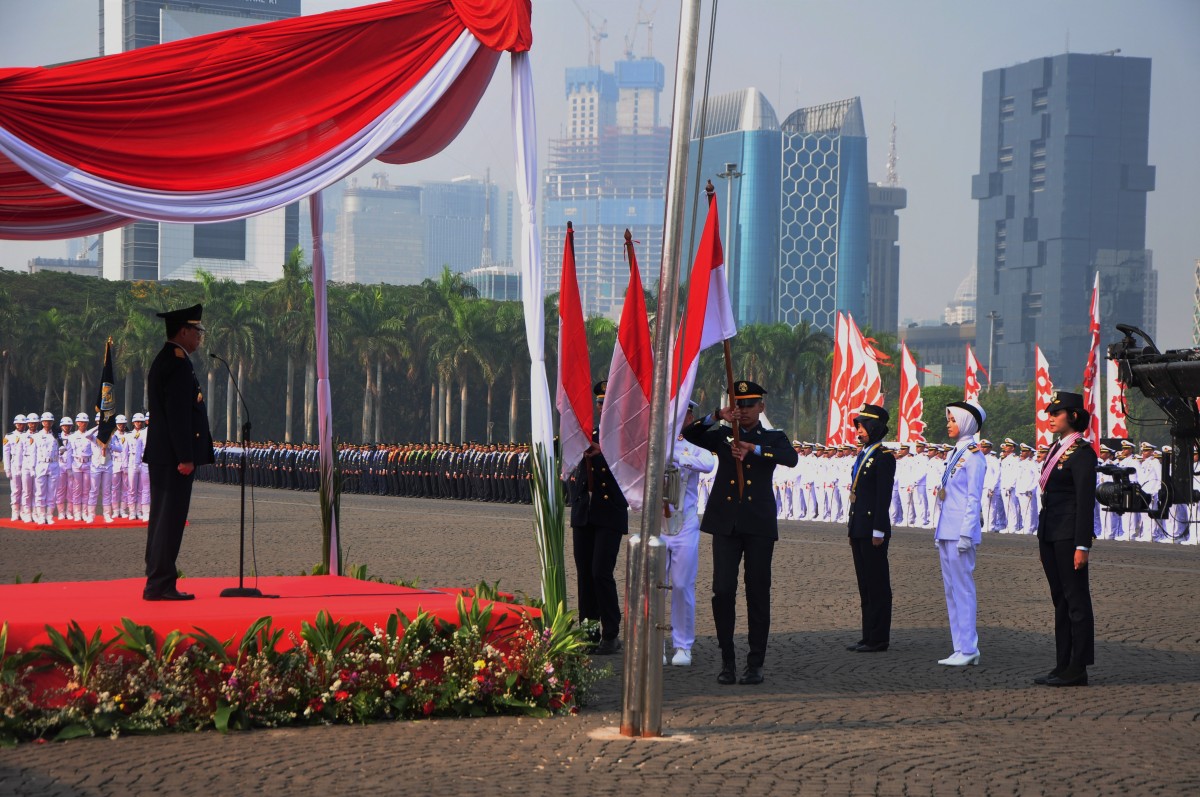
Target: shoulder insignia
<point>972,448</point>
<point>179,353</point>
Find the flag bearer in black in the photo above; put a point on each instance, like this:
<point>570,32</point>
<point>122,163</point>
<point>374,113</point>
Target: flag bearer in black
<point>871,480</point>
<point>599,521</point>
<point>742,520</point>
<point>181,442</point>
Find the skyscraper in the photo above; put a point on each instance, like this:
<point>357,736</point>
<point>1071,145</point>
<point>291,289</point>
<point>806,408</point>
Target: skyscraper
<point>1062,184</point>
<point>379,235</point>
<point>883,263</point>
<point>463,218</point>
<point>253,248</point>
<point>607,173</point>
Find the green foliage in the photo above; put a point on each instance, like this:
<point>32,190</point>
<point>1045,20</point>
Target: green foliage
<point>36,579</point>
<point>550,514</point>
<point>75,649</point>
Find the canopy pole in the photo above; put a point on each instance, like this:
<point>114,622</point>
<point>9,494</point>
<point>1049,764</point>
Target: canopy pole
<point>324,398</point>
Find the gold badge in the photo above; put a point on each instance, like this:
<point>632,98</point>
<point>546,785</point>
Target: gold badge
<point>1054,397</point>
<point>199,397</point>
<point>743,387</point>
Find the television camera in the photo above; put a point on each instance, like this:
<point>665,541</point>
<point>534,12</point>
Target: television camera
<point>1171,380</point>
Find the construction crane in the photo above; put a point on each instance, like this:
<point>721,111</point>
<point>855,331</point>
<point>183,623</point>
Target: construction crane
<point>643,18</point>
<point>597,35</point>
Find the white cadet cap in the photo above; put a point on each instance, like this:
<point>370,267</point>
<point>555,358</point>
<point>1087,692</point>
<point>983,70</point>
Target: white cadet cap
<point>81,417</point>
<point>122,419</point>
<point>137,416</point>
<point>66,421</point>
<point>47,416</point>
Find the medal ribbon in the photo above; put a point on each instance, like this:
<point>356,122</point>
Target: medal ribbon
<point>858,467</point>
<point>954,458</point>
<point>1048,465</point>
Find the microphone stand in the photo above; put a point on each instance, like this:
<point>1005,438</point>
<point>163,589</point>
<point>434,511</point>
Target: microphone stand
<point>241,590</point>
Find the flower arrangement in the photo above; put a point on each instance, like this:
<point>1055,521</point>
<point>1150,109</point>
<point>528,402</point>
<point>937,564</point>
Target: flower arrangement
<point>334,672</point>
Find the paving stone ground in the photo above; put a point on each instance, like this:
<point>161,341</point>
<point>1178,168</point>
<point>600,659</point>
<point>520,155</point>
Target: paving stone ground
<point>825,722</point>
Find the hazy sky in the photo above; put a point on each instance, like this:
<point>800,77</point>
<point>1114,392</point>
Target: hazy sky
<point>920,61</point>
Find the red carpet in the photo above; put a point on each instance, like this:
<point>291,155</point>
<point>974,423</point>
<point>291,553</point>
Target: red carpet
<point>28,608</point>
<point>72,525</point>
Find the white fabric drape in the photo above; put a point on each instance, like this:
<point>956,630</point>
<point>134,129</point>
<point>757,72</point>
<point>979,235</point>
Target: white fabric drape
<point>208,206</point>
<point>324,397</point>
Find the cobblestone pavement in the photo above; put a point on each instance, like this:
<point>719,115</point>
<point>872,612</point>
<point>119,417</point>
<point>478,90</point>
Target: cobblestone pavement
<point>825,722</point>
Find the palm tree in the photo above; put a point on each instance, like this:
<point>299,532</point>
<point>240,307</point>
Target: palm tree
<point>602,338</point>
<point>10,349</point>
<point>138,340</point>
<point>509,340</point>
<point>374,331</point>
<point>434,317</point>
<point>217,296</point>
<point>289,300</point>
<point>245,327</point>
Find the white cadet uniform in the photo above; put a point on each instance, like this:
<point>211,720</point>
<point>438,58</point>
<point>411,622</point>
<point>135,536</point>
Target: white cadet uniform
<point>1009,466</point>
<point>683,546</point>
<point>26,471</point>
<point>45,475</point>
<point>62,488</point>
<point>1027,471</point>
<point>1150,478</point>
<point>135,446</point>
<point>958,518</point>
<point>13,468</point>
<point>993,505</point>
<point>81,472</point>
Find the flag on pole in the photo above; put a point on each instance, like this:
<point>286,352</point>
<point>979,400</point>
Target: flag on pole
<point>866,387</point>
<point>625,418</point>
<point>574,391</point>
<point>971,387</point>
<point>708,319</point>
<point>912,406</point>
<point>1043,388</point>
<point>1091,382</point>
<point>1116,403</point>
<point>106,402</point>
<point>838,381</point>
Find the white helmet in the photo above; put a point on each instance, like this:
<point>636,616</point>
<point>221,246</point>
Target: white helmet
<point>66,421</point>
<point>137,416</point>
<point>82,418</point>
<point>122,419</point>
<point>48,416</point>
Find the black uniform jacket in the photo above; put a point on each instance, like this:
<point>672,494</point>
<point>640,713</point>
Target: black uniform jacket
<point>605,505</point>
<point>1069,499</point>
<point>176,404</point>
<point>754,512</point>
<point>870,508</point>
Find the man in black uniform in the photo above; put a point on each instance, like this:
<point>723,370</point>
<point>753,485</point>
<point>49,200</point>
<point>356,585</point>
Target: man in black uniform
<point>742,521</point>
<point>871,480</point>
<point>181,442</point>
<point>599,521</point>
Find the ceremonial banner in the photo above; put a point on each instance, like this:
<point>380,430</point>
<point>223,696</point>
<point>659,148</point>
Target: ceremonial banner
<point>1116,403</point>
<point>1043,387</point>
<point>574,391</point>
<point>625,417</point>
<point>1091,385</point>
<point>971,386</point>
<point>866,387</point>
<point>838,381</point>
<point>912,406</point>
<point>106,404</point>
<point>708,319</point>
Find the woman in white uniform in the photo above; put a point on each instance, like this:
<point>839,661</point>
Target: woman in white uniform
<point>960,501</point>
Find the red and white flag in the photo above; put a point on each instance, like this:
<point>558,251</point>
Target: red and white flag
<point>866,386</point>
<point>1043,388</point>
<point>1116,403</point>
<point>709,315</point>
<point>971,387</point>
<point>625,417</point>
<point>574,391</point>
<point>1091,374</point>
<point>838,383</point>
<point>912,406</point>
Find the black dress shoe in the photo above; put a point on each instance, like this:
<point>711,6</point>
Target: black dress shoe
<point>865,648</point>
<point>1043,679</point>
<point>751,676</point>
<point>854,647</point>
<point>727,675</point>
<point>173,595</point>
<point>608,647</point>
<point>1068,679</point>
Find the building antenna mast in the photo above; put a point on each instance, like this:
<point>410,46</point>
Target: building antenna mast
<point>892,177</point>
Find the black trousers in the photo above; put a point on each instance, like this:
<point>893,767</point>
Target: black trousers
<point>170,498</point>
<point>596,552</point>
<point>1074,623</point>
<point>728,552</point>
<point>874,589</point>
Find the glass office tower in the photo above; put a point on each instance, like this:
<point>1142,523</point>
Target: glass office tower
<point>1062,184</point>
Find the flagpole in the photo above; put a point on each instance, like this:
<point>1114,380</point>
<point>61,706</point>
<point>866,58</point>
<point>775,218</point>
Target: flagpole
<point>641,713</point>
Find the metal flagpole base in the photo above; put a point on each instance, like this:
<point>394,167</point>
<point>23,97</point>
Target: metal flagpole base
<point>241,592</point>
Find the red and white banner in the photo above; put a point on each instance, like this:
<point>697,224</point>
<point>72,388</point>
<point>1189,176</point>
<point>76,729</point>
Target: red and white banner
<point>1116,403</point>
<point>1043,388</point>
<point>838,384</point>
<point>1091,374</point>
<point>912,406</point>
<point>625,417</point>
<point>708,319</point>
<point>574,394</point>
<point>865,387</point>
<point>971,386</point>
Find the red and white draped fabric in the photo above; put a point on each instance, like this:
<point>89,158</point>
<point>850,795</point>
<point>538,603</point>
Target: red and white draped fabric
<point>241,122</point>
<point>708,318</point>
<point>911,428</point>
<point>574,390</point>
<point>971,386</point>
<point>625,417</point>
<point>1116,425</point>
<point>1091,374</point>
<point>1043,388</point>
<point>838,384</point>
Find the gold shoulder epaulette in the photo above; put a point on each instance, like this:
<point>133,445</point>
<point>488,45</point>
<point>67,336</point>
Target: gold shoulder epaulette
<point>179,353</point>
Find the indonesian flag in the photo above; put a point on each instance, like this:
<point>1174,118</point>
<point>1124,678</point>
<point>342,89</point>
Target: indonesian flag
<point>971,383</point>
<point>1091,384</point>
<point>912,406</point>
<point>574,394</point>
<point>709,315</point>
<point>1043,388</point>
<point>625,418</point>
<point>838,383</point>
<point>1116,403</point>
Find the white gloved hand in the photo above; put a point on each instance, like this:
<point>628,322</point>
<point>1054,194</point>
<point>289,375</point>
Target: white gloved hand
<point>964,544</point>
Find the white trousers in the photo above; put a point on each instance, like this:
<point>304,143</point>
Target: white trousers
<point>683,556</point>
<point>81,485</point>
<point>1012,510</point>
<point>1025,507</point>
<point>958,579</point>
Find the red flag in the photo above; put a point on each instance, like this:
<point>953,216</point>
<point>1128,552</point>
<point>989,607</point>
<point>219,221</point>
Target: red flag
<point>1091,387</point>
<point>1043,387</point>
<point>839,379</point>
<point>574,394</point>
<point>971,386</point>
<point>1116,403</point>
<point>625,418</point>
<point>863,384</point>
<point>912,406</point>
<point>709,315</point>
